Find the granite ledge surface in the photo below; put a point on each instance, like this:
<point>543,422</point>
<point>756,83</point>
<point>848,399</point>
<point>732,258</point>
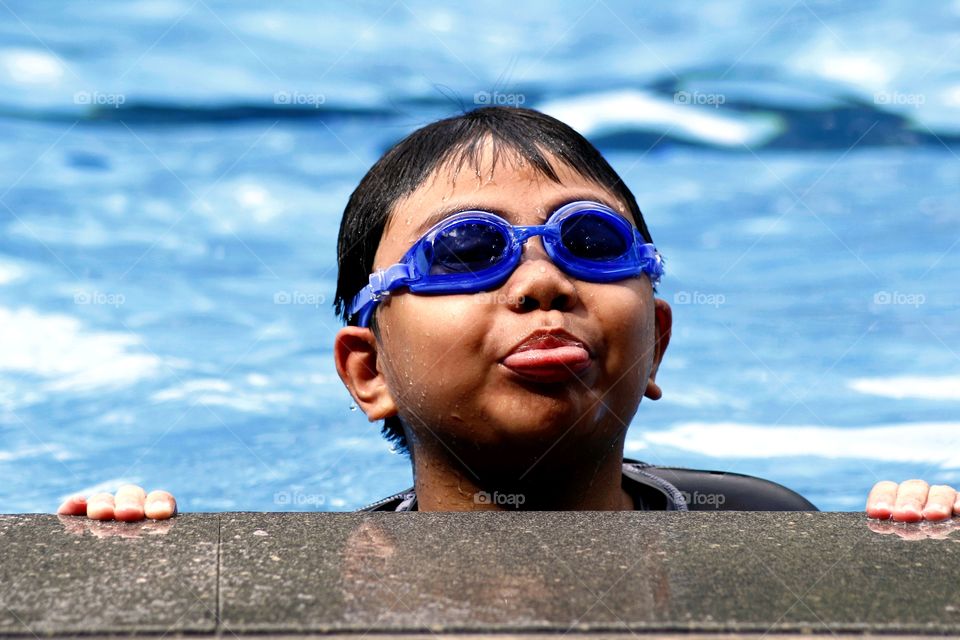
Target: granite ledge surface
<point>723,574</point>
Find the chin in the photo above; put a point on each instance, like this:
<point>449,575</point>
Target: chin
<point>537,431</point>
<point>548,407</point>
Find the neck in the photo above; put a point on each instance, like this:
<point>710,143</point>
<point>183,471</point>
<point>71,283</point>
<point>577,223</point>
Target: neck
<point>581,482</point>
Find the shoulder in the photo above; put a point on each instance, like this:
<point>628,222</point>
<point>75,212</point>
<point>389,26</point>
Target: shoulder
<point>706,490</point>
<point>401,501</point>
<point>674,489</point>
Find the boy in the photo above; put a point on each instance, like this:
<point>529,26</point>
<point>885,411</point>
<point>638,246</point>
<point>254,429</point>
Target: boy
<point>509,330</point>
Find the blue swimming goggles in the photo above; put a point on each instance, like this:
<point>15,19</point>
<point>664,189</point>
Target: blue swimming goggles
<point>476,251</point>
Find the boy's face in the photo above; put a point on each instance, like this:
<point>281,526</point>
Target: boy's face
<point>440,359</point>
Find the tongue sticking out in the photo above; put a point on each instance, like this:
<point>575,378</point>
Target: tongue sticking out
<point>569,355</point>
<point>550,364</point>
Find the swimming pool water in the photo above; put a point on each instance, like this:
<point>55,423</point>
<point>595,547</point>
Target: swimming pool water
<point>174,173</point>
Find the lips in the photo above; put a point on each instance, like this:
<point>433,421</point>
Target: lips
<point>549,356</point>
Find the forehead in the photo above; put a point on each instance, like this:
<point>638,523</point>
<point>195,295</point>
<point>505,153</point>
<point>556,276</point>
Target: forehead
<point>505,184</point>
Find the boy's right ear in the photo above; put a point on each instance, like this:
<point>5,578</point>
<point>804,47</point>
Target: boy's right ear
<point>356,352</point>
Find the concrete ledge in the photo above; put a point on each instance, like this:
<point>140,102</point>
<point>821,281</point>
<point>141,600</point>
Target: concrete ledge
<point>417,575</point>
<point>226,635</point>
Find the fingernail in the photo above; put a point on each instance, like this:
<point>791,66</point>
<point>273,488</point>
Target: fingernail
<point>935,513</point>
<point>908,514</point>
<point>883,506</point>
<point>157,505</point>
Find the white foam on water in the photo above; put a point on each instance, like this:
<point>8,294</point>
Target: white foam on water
<point>603,112</point>
<point>257,380</point>
<point>247,402</point>
<point>216,392</point>
<point>190,387</point>
<point>31,66</point>
<point>632,446</point>
<point>211,504</point>
<point>925,442</point>
<point>902,387</point>
<point>860,68</point>
<point>57,347</point>
<point>9,272</point>
<point>703,397</point>
<point>55,451</point>
<point>951,96</point>
<point>354,443</point>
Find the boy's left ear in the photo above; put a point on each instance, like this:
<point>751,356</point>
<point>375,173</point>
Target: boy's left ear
<point>357,355</point>
<point>664,323</point>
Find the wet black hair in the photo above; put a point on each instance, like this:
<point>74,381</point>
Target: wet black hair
<point>456,141</point>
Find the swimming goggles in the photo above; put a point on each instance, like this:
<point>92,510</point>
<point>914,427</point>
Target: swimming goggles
<point>476,251</point>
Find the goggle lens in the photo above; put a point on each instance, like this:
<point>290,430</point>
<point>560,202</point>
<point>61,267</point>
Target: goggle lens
<point>589,236</point>
<point>467,247</point>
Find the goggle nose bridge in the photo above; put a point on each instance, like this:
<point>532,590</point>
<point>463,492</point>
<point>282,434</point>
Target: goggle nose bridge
<point>547,231</point>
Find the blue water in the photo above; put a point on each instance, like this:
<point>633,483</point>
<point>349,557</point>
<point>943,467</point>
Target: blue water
<point>173,175</point>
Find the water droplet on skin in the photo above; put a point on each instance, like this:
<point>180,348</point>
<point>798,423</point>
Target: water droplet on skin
<point>543,269</point>
<point>353,407</point>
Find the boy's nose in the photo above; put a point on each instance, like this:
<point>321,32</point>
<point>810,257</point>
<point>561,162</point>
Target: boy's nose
<point>537,283</point>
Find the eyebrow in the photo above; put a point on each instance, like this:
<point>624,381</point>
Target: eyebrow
<point>445,212</point>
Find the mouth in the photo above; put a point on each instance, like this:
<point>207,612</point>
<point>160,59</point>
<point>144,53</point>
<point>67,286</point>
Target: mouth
<point>549,356</point>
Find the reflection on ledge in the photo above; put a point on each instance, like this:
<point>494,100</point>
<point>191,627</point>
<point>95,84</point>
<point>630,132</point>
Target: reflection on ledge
<point>517,572</point>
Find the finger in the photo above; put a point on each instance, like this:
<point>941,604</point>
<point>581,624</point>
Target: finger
<point>73,506</point>
<point>911,496</point>
<point>129,503</point>
<point>881,500</point>
<point>940,501</point>
<point>100,506</point>
<point>160,505</point>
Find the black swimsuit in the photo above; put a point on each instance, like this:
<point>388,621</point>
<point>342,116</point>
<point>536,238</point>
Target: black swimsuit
<point>673,489</point>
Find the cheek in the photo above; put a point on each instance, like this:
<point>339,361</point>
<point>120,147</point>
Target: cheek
<point>434,345</point>
<point>629,332</point>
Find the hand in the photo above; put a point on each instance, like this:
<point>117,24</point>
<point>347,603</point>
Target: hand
<point>912,501</point>
<point>131,503</point>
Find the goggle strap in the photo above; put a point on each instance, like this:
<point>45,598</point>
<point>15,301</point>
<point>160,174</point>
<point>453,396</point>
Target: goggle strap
<point>381,283</point>
<point>386,280</point>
